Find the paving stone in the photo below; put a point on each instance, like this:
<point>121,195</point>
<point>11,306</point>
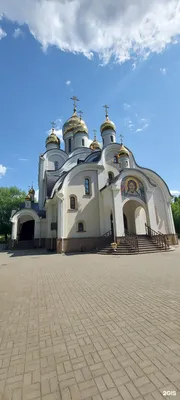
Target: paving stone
<point>89,327</point>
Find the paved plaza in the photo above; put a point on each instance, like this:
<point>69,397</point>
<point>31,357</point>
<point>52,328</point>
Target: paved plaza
<point>89,327</point>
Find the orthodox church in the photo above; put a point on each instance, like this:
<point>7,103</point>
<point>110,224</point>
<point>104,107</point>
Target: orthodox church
<point>89,191</point>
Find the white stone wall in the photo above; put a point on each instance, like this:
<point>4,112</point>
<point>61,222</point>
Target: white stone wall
<point>106,137</point>
<point>78,137</point>
<point>87,206</point>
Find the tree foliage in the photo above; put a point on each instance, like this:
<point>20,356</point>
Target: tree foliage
<point>10,199</point>
<point>176,213</point>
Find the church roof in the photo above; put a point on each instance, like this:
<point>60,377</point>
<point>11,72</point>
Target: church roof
<point>51,181</point>
<point>93,157</point>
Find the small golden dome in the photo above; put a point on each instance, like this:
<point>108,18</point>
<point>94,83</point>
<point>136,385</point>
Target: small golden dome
<point>28,197</point>
<point>107,124</point>
<point>52,138</point>
<point>74,124</point>
<point>32,191</point>
<point>95,145</point>
<point>123,152</point>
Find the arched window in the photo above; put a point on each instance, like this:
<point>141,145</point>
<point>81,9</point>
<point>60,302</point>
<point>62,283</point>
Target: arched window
<point>115,159</point>
<point>69,145</point>
<point>127,163</point>
<point>87,185</point>
<point>110,176</point>
<point>82,142</point>
<point>72,203</point>
<point>80,227</point>
<point>112,139</point>
<point>56,165</point>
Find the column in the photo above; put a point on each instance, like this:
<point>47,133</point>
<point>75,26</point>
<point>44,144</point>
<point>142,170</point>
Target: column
<point>14,230</point>
<point>118,212</point>
<point>151,210</point>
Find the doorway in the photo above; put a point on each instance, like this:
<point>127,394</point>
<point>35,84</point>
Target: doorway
<point>135,217</point>
<point>27,231</point>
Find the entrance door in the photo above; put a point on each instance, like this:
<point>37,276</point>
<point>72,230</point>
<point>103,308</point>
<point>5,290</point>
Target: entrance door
<point>27,231</point>
<point>125,223</point>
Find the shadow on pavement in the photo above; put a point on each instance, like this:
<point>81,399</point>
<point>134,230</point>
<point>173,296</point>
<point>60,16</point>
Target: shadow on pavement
<point>30,252</point>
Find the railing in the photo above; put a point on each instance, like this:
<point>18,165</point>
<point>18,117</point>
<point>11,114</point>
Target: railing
<point>107,234</point>
<point>104,239</point>
<point>131,240</point>
<point>157,237</point>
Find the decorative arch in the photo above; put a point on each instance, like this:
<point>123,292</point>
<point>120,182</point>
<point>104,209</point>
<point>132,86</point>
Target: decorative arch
<point>25,212</point>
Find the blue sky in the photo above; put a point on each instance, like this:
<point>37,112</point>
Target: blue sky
<point>40,70</point>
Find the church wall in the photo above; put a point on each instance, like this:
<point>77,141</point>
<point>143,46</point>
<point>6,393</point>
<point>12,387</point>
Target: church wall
<point>106,209</point>
<point>87,207</point>
<point>161,217</point>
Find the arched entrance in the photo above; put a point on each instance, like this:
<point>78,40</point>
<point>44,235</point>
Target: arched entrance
<point>27,231</point>
<point>135,216</point>
<point>25,226</point>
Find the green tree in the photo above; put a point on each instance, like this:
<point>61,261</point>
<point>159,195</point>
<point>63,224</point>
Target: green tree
<point>10,199</point>
<point>176,213</point>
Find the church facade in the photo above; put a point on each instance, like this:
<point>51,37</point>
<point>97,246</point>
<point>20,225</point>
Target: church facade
<point>89,190</point>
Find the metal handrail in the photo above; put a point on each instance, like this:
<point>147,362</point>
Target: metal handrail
<point>132,240</point>
<point>158,237</point>
<point>107,234</point>
<point>103,239</point>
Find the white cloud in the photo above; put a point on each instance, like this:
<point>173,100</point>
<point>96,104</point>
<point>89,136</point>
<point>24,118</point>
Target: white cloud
<point>142,128</point>
<point>58,132</point>
<point>124,29</point>
<point>163,71</point>
<point>23,159</point>
<point>126,107</point>
<point>37,194</point>
<point>175,192</point>
<point>2,170</point>
<point>2,33</point>
<point>17,32</point>
<point>68,83</point>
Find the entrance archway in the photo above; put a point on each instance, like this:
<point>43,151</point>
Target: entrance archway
<point>27,231</point>
<point>135,217</point>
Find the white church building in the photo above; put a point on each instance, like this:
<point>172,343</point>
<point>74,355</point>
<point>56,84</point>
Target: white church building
<point>87,192</point>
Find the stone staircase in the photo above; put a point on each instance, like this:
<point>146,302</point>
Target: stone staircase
<point>145,245</point>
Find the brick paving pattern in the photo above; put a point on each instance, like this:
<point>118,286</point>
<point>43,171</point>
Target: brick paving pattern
<point>89,327</point>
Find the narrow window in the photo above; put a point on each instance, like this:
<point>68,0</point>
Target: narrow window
<point>112,139</point>
<point>87,186</point>
<point>69,145</point>
<point>111,176</point>
<point>80,227</point>
<point>126,163</point>
<point>115,159</point>
<point>56,165</point>
<point>72,203</point>
<point>82,142</point>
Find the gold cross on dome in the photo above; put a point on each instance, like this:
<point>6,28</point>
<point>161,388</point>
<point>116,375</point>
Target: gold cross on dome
<point>53,126</point>
<point>95,131</point>
<point>122,137</point>
<point>106,110</point>
<point>80,113</point>
<point>75,99</point>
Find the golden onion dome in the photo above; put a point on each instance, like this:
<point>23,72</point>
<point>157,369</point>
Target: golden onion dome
<point>32,191</point>
<point>95,145</point>
<point>28,197</point>
<point>74,124</point>
<point>52,138</point>
<point>107,124</point>
<point>123,151</point>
